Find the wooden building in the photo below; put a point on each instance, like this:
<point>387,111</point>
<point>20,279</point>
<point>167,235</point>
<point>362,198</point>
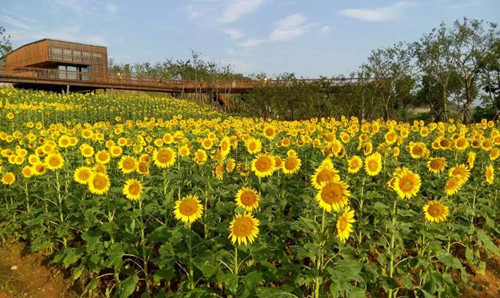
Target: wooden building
<point>73,61</point>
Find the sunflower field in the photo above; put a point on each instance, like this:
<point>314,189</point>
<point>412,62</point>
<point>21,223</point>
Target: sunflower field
<point>161,197</point>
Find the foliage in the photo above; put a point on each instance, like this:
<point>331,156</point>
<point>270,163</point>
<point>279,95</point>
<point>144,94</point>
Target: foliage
<point>326,225</point>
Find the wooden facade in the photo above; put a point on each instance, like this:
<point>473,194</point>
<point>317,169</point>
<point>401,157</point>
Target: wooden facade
<point>67,57</point>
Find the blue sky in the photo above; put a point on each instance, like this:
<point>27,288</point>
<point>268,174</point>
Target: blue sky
<point>309,38</point>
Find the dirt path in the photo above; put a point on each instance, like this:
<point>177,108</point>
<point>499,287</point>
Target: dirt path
<point>22,274</point>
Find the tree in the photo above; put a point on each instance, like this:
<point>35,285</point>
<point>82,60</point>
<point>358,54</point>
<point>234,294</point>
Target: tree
<point>392,71</point>
<point>5,45</point>
<point>470,43</point>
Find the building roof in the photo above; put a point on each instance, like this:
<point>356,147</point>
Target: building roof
<point>50,39</point>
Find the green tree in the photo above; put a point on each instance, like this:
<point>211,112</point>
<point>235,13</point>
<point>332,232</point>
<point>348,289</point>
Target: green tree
<point>5,45</point>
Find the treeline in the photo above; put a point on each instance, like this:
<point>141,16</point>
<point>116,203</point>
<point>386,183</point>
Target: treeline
<point>453,71</point>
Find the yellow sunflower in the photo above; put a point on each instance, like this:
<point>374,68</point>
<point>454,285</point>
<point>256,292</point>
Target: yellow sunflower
<point>8,178</point>
<point>435,211</point>
<point>27,172</point>
<point>263,165</point>
<point>333,195</point>
<point>344,224</point>
<point>291,165</point>
<point>132,189</point>
<point>200,156</point>
<point>489,174</point>
<point>461,171</point>
<point>127,164</point>
<point>253,145</point>
<point>355,163</point>
<point>436,165</point>
<point>453,185</point>
<point>40,169</point>
<point>407,183</point>
<point>54,161</point>
<point>103,157</point>
<point>373,164</point>
<point>324,173</point>
<point>87,150</point>
<point>188,209</point>
<point>83,174</point>
<point>247,198</point>
<point>164,158</point>
<point>244,229</point>
<point>99,183</point>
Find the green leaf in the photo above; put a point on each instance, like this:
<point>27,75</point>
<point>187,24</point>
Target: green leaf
<point>449,260</point>
<point>71,256</point>
<point>164,274</point>
<point>127,286</point>
<point>485,241</point>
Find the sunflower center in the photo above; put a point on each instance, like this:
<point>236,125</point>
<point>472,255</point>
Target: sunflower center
<point>406,183</point>
<point>436,164</point>
<point>188,208</point>
<point>134,189</point>
<point>263,164</point>
<point>331,193</point>
<point>372,165</point>
<point>83,175</point>
<point>242,227</point>
<point>248,198</point>
<point>290,163</point>
<point>128,164</point>
<point>435,210</point>
<point>99,182</point>
<point>54,161</point>
<point>342,223</point>
<point>164,156</point>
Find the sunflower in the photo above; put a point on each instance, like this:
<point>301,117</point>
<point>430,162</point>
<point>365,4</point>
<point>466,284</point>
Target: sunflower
<point>435,211</point>
<point>87,150</point>
<point>407,183</point>
<point>188,209</point>
<point>54,161</point>
<point>99,183</point>
<point>200,156</point>
<point>253,145</point>
<point>40,169</point>
<point>230,165</point>
<point>461,171</point>
<point>263,165</point>
<point>8,178</point>
<point>453,185</point>
<point>489,174</point>
<point>269,132</point>
<point>333,195</point>
<point>471,158</point>
<point>417,150</point>
<point>291,165</point>
<point>324,173</point>
<point>244,229</point>
<point>391,137</point>
<point>436,165</point>
<point>247,198</point>
<point>103,157</point>
<point>27,172</point>
<point>127,164</point>
<point>355,163</point>
<point>344,224</point>
<point>132,189</point>
<point>83,175</point>
<point>143,168</point>
<point>184,151</point>
<point>164,158</point>
<point>373,164</point>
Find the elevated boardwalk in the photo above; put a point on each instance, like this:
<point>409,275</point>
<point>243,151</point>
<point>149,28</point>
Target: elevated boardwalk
<point>40,78</point>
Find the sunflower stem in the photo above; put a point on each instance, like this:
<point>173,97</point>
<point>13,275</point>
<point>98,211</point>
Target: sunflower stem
<point>190,248</point>
<point>236,263</point>
<point>27,197</point>
<point>143,244</point>
<point>391,263</point>
<point>319,258</point>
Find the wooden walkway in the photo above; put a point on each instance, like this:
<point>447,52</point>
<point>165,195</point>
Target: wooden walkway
<point>40,77</point>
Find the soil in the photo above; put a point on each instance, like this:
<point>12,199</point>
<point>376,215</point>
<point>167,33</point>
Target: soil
<point>25,274</point>
<point>488,284</point>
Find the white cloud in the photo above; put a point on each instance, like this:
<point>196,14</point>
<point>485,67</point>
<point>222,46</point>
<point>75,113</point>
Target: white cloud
<point>234,33</point>
<point>291,27</point>
<point>326,29</point>
<point>384,13</point>
<point>13,22</point>
<point>112,8</point>
<point>252,42</point>
<point>235,9</point>
<point>77,6</point>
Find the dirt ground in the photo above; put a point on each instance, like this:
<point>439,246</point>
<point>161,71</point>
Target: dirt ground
<point>25,274</point>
